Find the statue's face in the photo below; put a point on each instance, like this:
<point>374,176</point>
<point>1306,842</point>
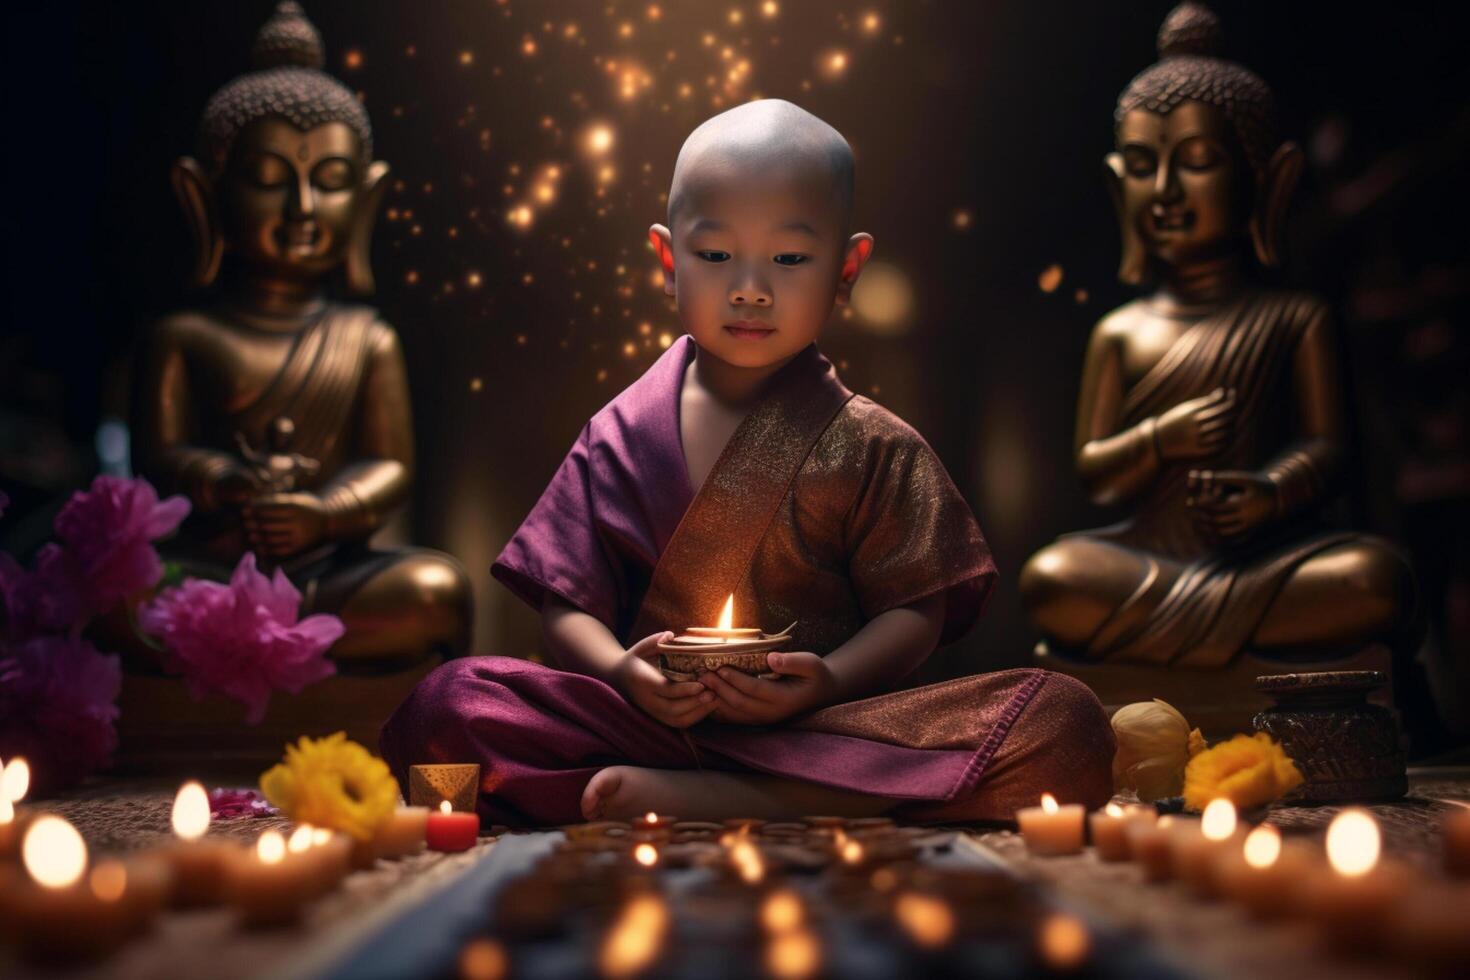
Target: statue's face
<point>1182,182</point>
<point>288,198</point>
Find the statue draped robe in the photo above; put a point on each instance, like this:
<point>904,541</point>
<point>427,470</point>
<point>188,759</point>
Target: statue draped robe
<point>1200,601</point>
<point>823,509</point>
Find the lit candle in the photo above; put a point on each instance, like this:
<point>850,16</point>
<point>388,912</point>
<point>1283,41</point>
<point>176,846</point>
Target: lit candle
<point>1352,902</point>
<point>1149,845</point>
<point>334,851</point>
<point>1199,846</point>
<point>1063,943</point>
<point>1051,828</point>
<point>1263,874</point>
<point>268,885</point>
<point>794,955</point>
<point>15,781</point>
<point>782,910</point>
<point>448,830</point>
<point>636,937</point>
<point>1109,827</point>
<point>59,910</point>
<point>726,630</point>
<point>198,864</point>
<point>402,833</point>
<point>326,860</point>
<point>1456,828</point>
<point>927,920</point>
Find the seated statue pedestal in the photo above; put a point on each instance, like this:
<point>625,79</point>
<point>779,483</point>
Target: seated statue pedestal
<point>164,731</point>
<point>1221,702</point>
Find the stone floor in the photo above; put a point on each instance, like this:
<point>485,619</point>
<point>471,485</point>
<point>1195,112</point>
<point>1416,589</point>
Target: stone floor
<point>1211,940</point>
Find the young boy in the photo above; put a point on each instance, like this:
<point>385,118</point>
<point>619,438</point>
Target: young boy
<point>739,464</point>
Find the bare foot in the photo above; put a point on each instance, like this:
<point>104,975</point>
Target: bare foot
<point>623,792</point>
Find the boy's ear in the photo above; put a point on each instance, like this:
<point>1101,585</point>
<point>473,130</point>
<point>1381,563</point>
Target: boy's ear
<point>663,244</point>
<point>859,248</point>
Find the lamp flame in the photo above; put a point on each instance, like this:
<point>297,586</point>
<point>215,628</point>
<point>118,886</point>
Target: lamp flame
<point>633,942</point>
<point>1262,847</point>
<point>301,839</point>
<point>1219,820</point>
<point>54,853</point>
<point>1049,803</point>
<point>727,616</point>
<point>191,811</point>
<point>15,780</point>
<point>1353,843</point>
<point>444,807</point>
<point>1113,810</point>
<point>271,847</point>
<point>646,855</point>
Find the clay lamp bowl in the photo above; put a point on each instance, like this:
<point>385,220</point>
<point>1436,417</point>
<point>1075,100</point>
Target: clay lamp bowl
<point>702,648</point>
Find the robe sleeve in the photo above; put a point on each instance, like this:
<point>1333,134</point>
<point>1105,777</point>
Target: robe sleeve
<point>909,532</point>
<point>557,548</point>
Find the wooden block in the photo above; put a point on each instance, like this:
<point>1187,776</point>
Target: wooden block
<point>459,783</point>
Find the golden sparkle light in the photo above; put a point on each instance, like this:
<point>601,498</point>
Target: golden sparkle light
<point>466,57</point>
<point>520,216</point>
<point>352,60</point>
<point>632,944</point>
<point>1050,278</point>
<point>871,22</point>
<point>927,919</point>
<point>793,955</point>
<point>53,852</point>
<point>833,64</point>
<point>271,847</point>
<point>646,855</point>
<point>598,139</point>
<point>190,816</point>
<point>1353,843</point>
<point>770,9</point>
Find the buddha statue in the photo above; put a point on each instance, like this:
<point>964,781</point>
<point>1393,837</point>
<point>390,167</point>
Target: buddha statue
<point>281,412</point>
<point>1211,408</point>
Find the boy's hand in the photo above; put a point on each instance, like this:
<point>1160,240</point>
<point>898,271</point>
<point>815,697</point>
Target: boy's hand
<point>804,683</point>
<point>676,704</point>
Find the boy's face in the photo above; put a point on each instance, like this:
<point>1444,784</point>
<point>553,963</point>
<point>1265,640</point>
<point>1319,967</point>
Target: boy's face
<point>757,259</point>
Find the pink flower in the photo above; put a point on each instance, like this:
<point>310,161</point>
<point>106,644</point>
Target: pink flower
<point>109,532</point>
<point>46,599</point>
<point>242,640</point>
<point>226,804</point>
<point>57,708</point>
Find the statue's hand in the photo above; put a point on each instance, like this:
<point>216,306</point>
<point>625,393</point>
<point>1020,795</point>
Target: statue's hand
<point>237,487</point>
<point>284,524</point>
<point>1197,427</point>
<point>1229,504</point>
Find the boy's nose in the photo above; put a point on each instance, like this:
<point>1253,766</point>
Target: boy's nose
<point>752,292</point>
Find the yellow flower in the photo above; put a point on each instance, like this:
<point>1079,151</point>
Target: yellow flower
<point>1248,770</point>
<point>1154,743</point>
<point>331,782</point>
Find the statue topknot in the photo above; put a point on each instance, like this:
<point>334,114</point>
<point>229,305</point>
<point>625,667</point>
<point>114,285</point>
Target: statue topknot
<point>288,82</point>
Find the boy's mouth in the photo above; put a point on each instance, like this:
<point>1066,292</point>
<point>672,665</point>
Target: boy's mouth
<point>749,329</point>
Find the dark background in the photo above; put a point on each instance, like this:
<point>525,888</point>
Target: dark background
<point>1002,111</point>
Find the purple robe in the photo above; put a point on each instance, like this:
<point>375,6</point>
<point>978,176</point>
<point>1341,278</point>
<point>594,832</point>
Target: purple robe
<point>824,509</point>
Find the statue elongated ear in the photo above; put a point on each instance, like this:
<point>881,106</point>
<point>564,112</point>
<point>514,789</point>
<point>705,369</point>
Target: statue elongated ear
<point>1268,220</point>
<point>196,199</point>
<point>1133,263</point>
<point>359,268</point>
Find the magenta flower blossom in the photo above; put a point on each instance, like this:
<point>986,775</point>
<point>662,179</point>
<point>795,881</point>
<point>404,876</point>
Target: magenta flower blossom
<point>241,640</point>
<point>109,532</point>
<point>46,599</point>
<point>227,804</point>
<point>57,708</point>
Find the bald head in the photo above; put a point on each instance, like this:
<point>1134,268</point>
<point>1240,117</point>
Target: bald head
<point>765,139</point>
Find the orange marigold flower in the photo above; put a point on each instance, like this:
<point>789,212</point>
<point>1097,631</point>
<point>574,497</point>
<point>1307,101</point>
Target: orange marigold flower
<point>1247,770</point>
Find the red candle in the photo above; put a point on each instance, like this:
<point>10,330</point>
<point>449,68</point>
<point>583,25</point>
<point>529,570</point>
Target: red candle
<point>451,831</point>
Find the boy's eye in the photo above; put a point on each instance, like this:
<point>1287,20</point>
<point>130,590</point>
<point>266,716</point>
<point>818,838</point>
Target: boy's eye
<point>790,258</point>
<point>710,255</point>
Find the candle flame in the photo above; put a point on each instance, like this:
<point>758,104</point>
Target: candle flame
<point>271,847</point>
<point>633,942</point>
<point>928,920</point>
<point>747,860</point>
<point>1262,846</point>
<point>54,853</point>
<point>191,811</point>
<point>727,615</point>
<point>1353,843</point>
<point>646,855</point>
<point>1049,803</point>
<point>1113,810</point>
<point>650,817</point>
<point>320,836</point>
<point>852,852</point>
<point>300,840</point>
<point>794,955</point>
<point>108,880</point>
<point>782,911</point>
<point>1063,941</point>
<point>444,807</point>
<point>1219,820</point>
<point>15,779</point>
